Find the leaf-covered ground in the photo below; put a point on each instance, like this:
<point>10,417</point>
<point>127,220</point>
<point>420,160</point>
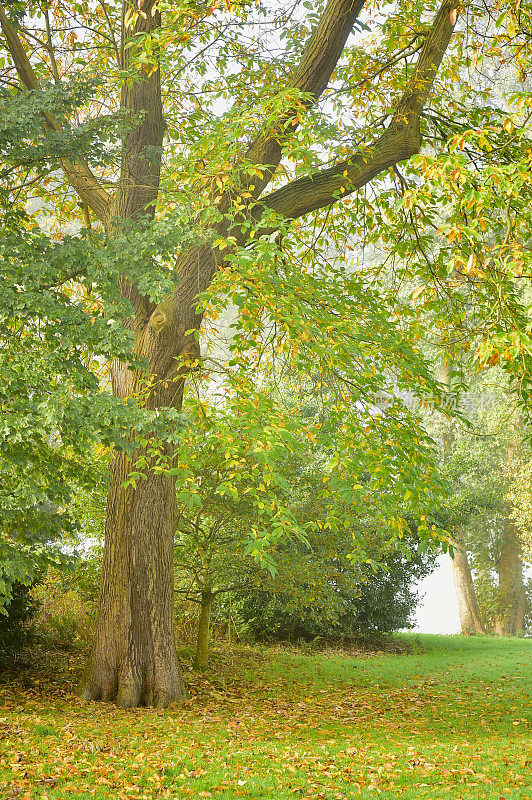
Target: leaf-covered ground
<point>447,720</point>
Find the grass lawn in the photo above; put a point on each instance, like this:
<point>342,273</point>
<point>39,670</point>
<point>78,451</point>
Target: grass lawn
<point>446,720</point>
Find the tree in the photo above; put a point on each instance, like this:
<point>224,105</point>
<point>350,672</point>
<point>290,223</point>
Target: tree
<point>482,463</point>
<point>270,475</point>
<point>233,496</point>
<point>229,207</point>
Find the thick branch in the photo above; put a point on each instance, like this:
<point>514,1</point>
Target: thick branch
<point>325,46</point>
<point>140,171</point>
<point>400,141</point>
<point>141,99</point>
<point>326,187</point>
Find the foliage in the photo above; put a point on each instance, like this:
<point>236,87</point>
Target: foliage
<point>232,482</point>
<point>257,488</point>
<point>275,722</point>
<point>488,458</point>
<point>322,590</point>
<point>16,628</point>
<point>457,238</point>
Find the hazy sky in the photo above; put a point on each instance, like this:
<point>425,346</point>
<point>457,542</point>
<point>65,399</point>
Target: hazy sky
<point>438,610</point>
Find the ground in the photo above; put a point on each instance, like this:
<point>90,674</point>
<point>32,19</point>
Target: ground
<point>446,720</point>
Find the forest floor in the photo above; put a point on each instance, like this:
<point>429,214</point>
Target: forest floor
<point>446,720</point>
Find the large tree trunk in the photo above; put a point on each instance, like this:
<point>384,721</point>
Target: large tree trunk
<point>512,597</point>
<point>202,647</point>
<point>134,660</point>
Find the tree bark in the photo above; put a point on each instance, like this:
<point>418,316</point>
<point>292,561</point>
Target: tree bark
<point>468,610</point>
<point>202,646</point>
<point>134,660</point>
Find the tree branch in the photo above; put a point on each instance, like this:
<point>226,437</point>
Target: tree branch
<point>50,47</point>
<point>111,31</point>
<point>141,99</point>
<point>400,141</point>
<point>318,61</point>
<point>79,175</point>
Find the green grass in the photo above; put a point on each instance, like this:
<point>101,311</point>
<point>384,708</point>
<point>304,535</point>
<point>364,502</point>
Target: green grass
<point>447,720</point>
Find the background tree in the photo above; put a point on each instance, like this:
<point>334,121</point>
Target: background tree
<point>482,465</point>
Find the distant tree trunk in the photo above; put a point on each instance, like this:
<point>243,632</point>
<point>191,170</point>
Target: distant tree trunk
<point>202,647</point>
<point>468,609</point>
<point>521,607</point>
<point>511,615</point>
<point>470,621</point>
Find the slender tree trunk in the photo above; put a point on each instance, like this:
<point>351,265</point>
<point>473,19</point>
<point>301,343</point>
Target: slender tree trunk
<point>202,647</point>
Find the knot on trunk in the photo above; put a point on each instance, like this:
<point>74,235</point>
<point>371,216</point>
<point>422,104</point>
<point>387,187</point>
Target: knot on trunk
<point>158,319</point>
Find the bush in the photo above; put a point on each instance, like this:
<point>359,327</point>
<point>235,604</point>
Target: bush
<point>372,603</point>
<point>16,624</point>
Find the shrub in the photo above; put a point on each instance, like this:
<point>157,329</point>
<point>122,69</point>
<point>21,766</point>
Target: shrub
<point>65,617</point>
<point>16,624</point>
<point>349,605</point>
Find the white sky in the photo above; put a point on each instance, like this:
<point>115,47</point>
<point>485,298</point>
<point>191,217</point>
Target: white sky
<point>437,611</point>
